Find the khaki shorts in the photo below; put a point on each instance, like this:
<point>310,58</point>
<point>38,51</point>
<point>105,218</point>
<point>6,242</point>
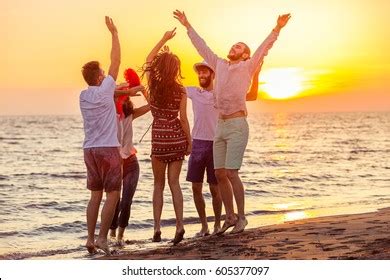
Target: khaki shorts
<point>230,142</point>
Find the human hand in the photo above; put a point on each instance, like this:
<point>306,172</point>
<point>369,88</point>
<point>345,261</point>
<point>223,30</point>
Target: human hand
<point>110,25</point>
<point>165,49</point>
<point>181,17</point>
<point>169,34</point>
<point>283,20</point>
<point>189,149</point>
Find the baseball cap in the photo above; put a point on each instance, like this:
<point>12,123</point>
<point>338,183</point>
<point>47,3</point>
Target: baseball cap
<point>203,63</point>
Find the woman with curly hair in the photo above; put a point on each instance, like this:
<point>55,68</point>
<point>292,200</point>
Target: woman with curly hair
<point>171,138</point>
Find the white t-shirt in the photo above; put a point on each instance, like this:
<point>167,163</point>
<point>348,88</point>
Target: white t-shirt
<point>125,137</point>
<point>205,113</point>
<point>98,110</point>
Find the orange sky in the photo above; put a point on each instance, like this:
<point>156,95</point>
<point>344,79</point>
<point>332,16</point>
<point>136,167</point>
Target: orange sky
<point>333,54</point>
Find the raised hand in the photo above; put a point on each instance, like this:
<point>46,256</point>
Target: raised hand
<point>110,25</point>
<point>283,19</point>
<point>169,34</point>
<point>181,17</point>
<point>165,49</point>
<point>115,49</point>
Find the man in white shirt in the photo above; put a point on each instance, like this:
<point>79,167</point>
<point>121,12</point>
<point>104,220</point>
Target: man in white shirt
<point>232,81</point>
<point>201,158</point>
<point>101,146</point>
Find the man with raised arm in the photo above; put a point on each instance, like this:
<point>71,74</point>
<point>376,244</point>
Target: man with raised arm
<point>232,80</point>
<point>101,153</point>
<point>203,133</point>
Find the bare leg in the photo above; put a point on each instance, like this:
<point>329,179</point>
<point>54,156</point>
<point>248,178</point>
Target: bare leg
<point>114,223</point>
<point>227,198</point>
<point>92,214</point>
<point>174,169</point>
<point>159,184</point>
<point>200,207</point>
<point>238,190</point>
<point>121,232</point>
<point>239,195</point>
<point>226,192</point>
<point>217,206</point>
<point>113,229</point>
<point>106,216</point>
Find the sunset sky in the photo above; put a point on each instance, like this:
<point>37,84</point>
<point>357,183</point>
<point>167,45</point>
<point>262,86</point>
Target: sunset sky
<point>332,56</point>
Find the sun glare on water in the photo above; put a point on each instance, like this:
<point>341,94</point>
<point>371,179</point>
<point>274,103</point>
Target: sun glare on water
<point>282,83</point>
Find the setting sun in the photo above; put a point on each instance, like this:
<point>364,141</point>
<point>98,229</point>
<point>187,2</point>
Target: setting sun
<point>283,83</point>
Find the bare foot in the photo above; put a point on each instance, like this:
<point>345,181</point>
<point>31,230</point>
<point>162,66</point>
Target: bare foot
<point>202,233</point>
<point>91,247</point>
<point>112,233</point>
<point>178,237</point>
<point>240,226</point>
<point>120,242</point>
<point>217,228</point>
<point>156,236</point>
<point>227,224</point>
<point>102,245</point>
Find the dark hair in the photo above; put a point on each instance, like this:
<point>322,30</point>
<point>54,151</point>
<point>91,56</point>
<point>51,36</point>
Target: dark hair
<point>164,78</point>
<point>127,107</point>
<point>91,72</point>
<point>246,49</point>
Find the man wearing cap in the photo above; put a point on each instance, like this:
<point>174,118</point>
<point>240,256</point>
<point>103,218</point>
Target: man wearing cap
<point>201,158</point>
<point>203,133</point>
<point>232,81</point>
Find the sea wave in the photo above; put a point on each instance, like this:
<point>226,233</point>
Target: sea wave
<point>65,175</point>
<point>73,227</point>
<point>3,178</point>
<point>13,138</point>
<point>43,253</point>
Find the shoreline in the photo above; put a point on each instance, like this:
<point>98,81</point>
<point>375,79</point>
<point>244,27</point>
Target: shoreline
<point>352,236</point>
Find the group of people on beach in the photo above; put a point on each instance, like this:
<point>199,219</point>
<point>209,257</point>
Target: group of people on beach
<point>216,146</point>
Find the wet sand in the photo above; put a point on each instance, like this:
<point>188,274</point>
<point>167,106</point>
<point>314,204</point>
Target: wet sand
<point>358,236</point>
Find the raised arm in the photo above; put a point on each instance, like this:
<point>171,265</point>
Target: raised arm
<point>263,49</point>
<point>204,51</point>
<point>115,49</point>
<point>184,122</point>
<point>253,91</point>
<point>167,36</point>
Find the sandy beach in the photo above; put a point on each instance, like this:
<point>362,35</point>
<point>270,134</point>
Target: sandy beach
<point>358,236</point>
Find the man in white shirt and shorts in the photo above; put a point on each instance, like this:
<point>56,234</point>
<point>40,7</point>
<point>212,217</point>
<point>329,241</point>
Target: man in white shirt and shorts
<point>101,146</point>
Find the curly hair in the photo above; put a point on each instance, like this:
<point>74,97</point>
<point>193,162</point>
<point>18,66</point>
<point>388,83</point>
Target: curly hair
<point>164,78</point>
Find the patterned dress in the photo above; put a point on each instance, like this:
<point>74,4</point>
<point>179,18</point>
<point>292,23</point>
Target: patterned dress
<point>169,141</point>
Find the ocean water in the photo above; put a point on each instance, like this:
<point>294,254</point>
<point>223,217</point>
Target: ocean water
<point>296,166</point>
